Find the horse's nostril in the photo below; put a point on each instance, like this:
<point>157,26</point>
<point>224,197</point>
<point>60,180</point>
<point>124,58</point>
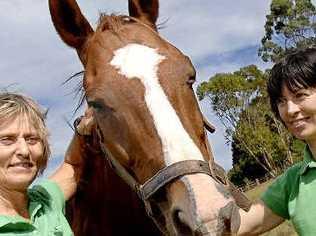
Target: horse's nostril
<point>199,233</point>
<point>180,223</point>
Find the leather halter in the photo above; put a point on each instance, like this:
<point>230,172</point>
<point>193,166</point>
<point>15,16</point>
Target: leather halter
<point>164,176</point>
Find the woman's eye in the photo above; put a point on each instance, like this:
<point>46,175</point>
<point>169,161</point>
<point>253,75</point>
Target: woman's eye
<point>6,141</point>
<point>301,95</point>
<point>32,140</point>
<point>281,101</point>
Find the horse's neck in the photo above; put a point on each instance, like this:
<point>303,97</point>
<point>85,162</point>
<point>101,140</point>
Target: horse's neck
<point>104,199</point>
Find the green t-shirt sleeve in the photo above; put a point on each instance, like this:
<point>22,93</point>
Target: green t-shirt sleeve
<point>277,195</point>
<point>49,193</point>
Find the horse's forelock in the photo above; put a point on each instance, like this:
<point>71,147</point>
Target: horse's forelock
<point>112,22</point>
<point>115,22</point>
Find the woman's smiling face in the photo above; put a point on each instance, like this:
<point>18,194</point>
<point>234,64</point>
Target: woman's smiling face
<point>298,112</point>
<point>21,149</point>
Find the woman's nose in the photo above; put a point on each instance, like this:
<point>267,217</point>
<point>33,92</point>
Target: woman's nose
<point>22,148</point>
<point>292,108</point>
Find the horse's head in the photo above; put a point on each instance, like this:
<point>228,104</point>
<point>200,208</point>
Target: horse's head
<point>140,88</point>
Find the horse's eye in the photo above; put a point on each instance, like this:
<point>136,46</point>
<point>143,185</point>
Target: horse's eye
<point>95,105</point>
<point>100,106</point>
<point>191,80</point>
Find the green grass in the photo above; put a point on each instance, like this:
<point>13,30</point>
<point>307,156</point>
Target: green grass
<point>286,228</point>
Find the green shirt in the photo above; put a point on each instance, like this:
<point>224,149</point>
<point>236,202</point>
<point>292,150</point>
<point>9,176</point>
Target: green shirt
<point>46,208</point>
<point>293,195</point>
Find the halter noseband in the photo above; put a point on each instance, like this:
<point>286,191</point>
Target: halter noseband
<point>164,176</point>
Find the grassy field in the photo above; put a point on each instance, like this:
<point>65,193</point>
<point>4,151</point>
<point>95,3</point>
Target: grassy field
<point>285,229</point>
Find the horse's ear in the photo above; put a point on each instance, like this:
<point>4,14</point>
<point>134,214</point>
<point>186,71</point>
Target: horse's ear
<point>145,10</point>
<point>69,22</point>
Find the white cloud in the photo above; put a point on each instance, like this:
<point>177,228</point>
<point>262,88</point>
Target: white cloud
<point>34,59</point>
<point>203,27</point>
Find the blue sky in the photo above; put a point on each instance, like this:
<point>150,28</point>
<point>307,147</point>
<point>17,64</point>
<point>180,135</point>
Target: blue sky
<point>218,35</point>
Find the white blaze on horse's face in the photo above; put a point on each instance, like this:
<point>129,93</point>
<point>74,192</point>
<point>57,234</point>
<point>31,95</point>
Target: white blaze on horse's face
<point>141,62</point>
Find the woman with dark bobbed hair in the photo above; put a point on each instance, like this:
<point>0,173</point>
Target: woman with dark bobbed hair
<point>292,91</point>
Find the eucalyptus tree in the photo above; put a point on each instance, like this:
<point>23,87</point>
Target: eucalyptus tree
<point>240,101</point>
<point>290,25</point>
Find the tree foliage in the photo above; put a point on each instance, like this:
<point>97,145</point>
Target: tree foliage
<point>290,25</point>
<point>245,167</point>
<point>258,139</point>
<point>231,93</point>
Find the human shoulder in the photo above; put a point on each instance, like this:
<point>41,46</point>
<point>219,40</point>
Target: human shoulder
<point>286,181</point>
<point>48,193</point>
<point>293,171</point>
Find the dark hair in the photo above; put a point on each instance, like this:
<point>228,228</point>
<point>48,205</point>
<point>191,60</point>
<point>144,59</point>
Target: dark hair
<point>295,71</point>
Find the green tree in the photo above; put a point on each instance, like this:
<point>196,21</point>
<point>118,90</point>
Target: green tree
<point>256,134</point>
<point>245,168</point>
<point>290,25</point>
<point>240,101</point>
<point>231,93</point>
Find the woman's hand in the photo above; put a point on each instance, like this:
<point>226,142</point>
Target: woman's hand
<point>86,124</point>
<point>68,174</point>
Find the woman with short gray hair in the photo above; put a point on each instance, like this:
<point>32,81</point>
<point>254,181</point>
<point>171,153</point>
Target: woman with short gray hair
<point>24,152</point>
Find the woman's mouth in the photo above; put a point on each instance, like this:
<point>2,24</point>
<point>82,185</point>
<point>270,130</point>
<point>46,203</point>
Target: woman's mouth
<point>299,122</point>
<point>23,164</point>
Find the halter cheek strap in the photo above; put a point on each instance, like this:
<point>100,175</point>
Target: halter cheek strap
<point>170,173</point>
<point>164,176</point>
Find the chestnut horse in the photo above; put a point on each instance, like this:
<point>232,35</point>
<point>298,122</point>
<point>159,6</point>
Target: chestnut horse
<point>149,128</point>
